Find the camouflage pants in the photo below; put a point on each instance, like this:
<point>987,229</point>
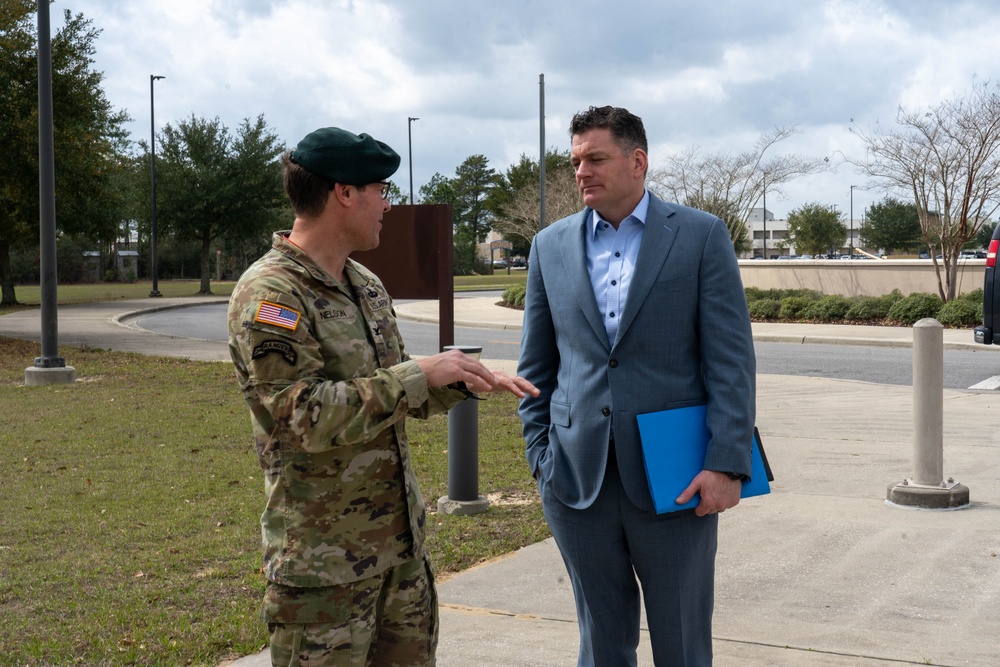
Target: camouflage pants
<point>393,623</point>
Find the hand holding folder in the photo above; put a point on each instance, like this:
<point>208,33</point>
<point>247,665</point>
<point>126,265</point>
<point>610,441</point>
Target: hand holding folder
<point>674,445</point>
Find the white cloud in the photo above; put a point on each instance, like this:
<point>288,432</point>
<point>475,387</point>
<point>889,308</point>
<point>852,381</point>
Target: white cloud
<point>714,74</point>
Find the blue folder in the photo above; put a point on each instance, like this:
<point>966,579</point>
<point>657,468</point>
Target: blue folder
<point>674,444</point>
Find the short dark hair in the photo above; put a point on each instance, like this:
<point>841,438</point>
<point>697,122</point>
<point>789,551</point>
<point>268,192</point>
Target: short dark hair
<point>307,191</point>
<point>626,128</point>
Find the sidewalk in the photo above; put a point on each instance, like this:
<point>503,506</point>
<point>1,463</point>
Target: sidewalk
<point>821,573</point>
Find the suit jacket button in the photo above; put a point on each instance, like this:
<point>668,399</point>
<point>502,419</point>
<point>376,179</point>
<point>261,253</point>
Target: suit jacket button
<point>605,411</point>
<point>613,363</point>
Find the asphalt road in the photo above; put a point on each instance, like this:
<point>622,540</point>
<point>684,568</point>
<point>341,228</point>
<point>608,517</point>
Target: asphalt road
<point>885,365</point>
<point>208,322</point>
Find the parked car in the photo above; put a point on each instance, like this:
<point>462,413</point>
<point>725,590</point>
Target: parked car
<point>991,296</point>
<point>518,262</point>
<point>499,263</point>
<point>972,254</point>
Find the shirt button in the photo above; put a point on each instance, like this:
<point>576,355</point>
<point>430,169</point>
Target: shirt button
<point>611,315</point>
<point>614,282</point>
<point>618,254</point>
<point>605,411</point>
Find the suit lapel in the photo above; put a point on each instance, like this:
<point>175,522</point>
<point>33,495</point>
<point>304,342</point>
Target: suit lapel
<point>657,239</point>
<point>574,256</point>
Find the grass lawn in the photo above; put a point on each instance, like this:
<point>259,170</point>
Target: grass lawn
<point>131,502</point>
<point>30,295</point>
<point>91,292</point>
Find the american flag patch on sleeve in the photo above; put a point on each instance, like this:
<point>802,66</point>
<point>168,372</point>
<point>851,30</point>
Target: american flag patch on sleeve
<point>279,316</point>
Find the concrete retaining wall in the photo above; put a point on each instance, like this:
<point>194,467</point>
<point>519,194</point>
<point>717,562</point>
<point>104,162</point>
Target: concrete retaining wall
<point>858,277</point>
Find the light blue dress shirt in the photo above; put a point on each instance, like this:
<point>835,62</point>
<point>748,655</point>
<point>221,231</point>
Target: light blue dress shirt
<point>611,256</point>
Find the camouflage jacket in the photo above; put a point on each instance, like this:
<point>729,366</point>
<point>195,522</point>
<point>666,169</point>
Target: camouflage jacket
<point>322,366</point>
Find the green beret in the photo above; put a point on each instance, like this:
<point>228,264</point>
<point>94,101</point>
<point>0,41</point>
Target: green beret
<point>340,156</point>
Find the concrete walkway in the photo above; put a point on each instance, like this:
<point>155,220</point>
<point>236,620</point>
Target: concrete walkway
<point>820,573</point>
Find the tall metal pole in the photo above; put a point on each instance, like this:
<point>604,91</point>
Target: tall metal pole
<point>47,198</point>
<point>541,152</point>
<point>764,181</point>
<point>852,221</point>
<point>49,368</point>
<point>409,136</point>
<point>152,170</point>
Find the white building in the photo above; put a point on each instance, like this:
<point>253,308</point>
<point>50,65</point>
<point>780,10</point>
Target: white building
<point>774,234</point>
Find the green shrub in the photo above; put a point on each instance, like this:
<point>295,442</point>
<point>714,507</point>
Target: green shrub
<point>811,295</point>
<point>831,308</point>
<point>961,313</point>
<point>975,296</point>
<point>764,309</point>
<point>870,308</point>
<point>792,307</point>
<point>894,296</point>
<point>514,295</point>
<point>757,294</point>
<point>798,293</point>
<point>915,307</point>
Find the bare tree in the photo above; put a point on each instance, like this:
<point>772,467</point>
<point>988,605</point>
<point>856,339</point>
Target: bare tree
<point>947,158</point>
<point>739,179</point>
<point>521,214</point>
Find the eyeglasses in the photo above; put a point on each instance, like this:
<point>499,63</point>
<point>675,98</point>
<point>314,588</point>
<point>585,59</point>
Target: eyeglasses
<point>384,190</point>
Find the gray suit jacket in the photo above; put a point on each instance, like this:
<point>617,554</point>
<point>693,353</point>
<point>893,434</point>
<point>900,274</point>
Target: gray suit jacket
<point>684,339</point>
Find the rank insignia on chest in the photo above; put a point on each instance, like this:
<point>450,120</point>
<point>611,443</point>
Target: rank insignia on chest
<point>278,315</point>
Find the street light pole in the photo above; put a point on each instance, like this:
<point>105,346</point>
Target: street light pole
<point>152,171</point>
<point>49,367</point>
<point>852,221</point>
<point>541,152</point>
<point>409,136</point>
<point>764,182</point>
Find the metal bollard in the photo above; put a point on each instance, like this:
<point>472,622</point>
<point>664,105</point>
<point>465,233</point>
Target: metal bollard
<point>928,402</point>
<point>463,454</point>
<point>928,489</point>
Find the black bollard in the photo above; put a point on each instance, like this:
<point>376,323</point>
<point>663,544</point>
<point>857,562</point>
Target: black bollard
<point>463,454</point>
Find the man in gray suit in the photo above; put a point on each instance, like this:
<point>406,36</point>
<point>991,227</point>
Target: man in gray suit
<point>633,305</point>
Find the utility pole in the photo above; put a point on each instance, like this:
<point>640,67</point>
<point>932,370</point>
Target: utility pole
<point>764,182</point>
<point>409,136</point>
<point>852,222</point>
<point>541,152</point>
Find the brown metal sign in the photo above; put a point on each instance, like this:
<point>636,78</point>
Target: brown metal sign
<point>414,259</point>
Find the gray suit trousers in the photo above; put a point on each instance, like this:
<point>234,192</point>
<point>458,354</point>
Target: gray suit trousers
<point>610,545</point>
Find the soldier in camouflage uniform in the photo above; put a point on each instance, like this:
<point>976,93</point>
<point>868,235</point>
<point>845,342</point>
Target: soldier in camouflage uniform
<point>320,361</point>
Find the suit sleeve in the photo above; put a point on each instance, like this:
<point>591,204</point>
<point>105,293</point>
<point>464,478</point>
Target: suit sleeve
<point>728,362</point>
<point>539,360</point>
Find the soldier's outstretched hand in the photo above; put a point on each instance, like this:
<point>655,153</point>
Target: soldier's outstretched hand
<point>456,366</point>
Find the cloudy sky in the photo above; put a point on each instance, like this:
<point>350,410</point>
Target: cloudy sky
<point>709,73</point>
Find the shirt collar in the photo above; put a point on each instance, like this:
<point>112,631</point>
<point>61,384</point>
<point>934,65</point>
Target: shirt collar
<point>639,213</point>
